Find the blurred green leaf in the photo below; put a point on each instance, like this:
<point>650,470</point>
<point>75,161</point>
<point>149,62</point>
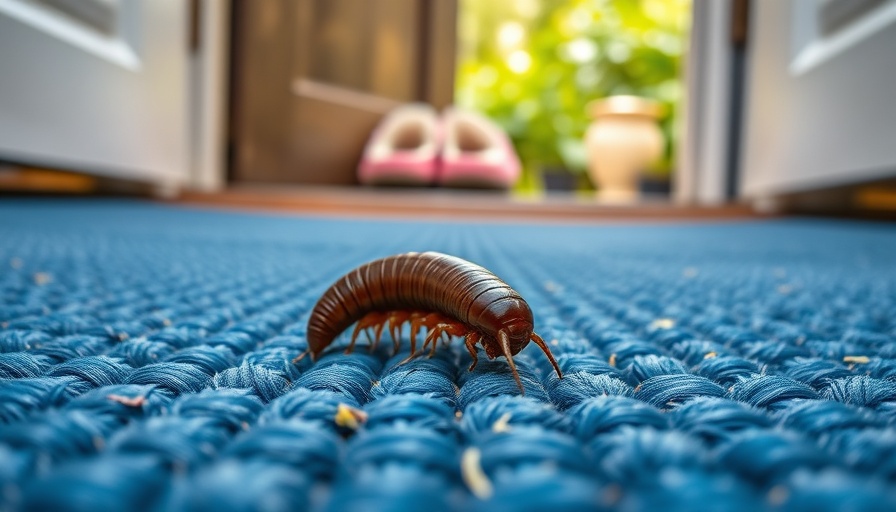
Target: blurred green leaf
<point>580,50</point>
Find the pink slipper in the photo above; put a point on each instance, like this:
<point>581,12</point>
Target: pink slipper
<point>403,149</point>
<point>476,152</point>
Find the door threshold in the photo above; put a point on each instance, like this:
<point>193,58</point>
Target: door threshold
<point>435,203</point>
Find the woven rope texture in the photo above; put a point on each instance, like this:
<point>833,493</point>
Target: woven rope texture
<point>146,364</point>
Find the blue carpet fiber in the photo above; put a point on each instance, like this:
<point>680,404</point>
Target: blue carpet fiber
<point>146,364</point>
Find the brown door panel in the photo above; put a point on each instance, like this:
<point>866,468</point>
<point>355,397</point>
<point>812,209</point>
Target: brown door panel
<point>312,78</point>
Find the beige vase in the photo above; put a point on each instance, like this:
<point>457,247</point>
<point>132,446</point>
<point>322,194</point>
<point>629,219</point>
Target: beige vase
<point>622,141</point>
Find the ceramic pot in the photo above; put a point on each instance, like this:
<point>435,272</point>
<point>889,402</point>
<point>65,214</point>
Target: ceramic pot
<point>621,142</point>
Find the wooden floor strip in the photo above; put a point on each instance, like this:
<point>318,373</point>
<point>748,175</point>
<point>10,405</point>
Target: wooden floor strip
<point>452,204</point>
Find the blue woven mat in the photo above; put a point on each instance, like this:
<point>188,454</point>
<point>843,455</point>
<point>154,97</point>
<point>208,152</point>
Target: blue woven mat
<point>145,364</point>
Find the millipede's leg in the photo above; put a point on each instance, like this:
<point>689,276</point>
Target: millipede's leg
<point>301,356</point>
<point>377,322</point>
<point>417,320</point>
<point>372,319</point>
<point>470,341</point>
<point>413,346</point>
<point>396,318</point>
<point>432,339</point>
<point>413,353</point>
<point>448,328</point>
<point>454,329</point>
<point>393,329</point>
<point>351,346</point>
<point>431,322</point>
<point>435,342</point>
<point>378,333</point>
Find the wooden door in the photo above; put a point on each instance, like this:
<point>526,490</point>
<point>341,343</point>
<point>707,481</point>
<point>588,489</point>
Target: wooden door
<point>313,77</point>
<point>96,86</point>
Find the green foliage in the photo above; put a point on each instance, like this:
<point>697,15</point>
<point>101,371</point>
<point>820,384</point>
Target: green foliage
<point>534,65</point>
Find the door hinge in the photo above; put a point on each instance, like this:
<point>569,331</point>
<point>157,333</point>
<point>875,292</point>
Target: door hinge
<point>194,36</point>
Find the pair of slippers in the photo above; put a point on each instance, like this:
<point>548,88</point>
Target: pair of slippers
<point>414,145</point>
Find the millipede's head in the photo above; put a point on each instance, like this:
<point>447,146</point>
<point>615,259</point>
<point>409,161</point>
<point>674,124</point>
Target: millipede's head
<point>511,339</point>
<point>518,333</point>
<point>509,342</point>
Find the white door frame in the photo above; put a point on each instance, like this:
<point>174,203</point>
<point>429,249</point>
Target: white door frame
<point>165,128</point>
<point>209,89</point>
<point>701,175</point>
<point>820,109</point>
<point>813,118</point>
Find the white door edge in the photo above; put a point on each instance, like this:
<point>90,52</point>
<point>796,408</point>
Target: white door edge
<point>209,99</point>
<point>701,170</point>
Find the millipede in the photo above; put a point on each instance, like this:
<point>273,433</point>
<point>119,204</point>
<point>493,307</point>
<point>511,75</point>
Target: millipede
<point>444,294</point>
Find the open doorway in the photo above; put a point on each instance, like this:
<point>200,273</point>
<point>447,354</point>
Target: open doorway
<point>531,67</point>
<point>534,68</point>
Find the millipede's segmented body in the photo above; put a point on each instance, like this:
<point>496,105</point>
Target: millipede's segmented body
<point>445,294</point>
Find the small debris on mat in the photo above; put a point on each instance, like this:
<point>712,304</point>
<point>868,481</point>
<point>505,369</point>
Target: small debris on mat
<point>349,417</point>
<point>475,478</point>
<point>136,401</point>
<point>777,495</point>
<point>503,423</point>
<point>662,323</point>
